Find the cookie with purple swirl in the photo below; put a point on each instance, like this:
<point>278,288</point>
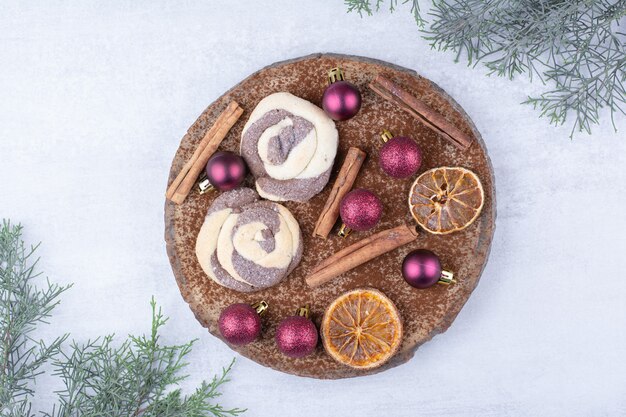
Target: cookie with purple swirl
<point>289,144</point>
<point>247,244</point>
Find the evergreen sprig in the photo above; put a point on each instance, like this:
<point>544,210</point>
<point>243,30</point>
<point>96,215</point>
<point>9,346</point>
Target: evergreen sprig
<point>22,307</point>
<point>138,377</point>
<point>368,7</point>
<point>574,47</point>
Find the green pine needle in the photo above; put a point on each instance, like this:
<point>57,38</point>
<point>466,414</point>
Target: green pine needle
<point>574,47</point>
<point>137,377</point>
<point>23,306</point>
<point>366,6</point>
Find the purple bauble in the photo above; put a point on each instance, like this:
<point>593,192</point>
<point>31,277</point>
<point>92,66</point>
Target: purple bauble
<point>341,100</point>
<point>240,324</point>
<point>400,157</point>
<point>360,209</point>
<point>296,336</point>
<point>225,170</point>
<point>421,268</point>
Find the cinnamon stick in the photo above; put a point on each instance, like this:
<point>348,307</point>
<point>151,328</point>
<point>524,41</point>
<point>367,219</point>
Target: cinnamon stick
<point>393,92</point>
<point>359,253</point>
<point>186,178</point>
<point>345,179</point>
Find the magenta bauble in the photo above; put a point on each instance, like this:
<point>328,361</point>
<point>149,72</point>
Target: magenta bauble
<point>296,336</point>
<point>341,100</point>
<point>400,157</point>
<point>240,324</point>
<point>226,170</point>
<point>360,209</point>
<point>421,268</point>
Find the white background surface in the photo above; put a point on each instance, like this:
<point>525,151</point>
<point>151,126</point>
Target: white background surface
<point>94,99</point>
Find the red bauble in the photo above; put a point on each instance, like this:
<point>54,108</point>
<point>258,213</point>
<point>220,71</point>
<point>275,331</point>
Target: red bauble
<point>296,336</point>
<point>341,99</point>
<point>400,157</point>
<point>226,170</point>
<point>360,209</point>
<point>240,323</point>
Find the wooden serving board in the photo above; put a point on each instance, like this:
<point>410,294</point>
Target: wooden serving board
<point>425,312</point>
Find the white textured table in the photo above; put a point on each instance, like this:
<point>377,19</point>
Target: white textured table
<point>94,101</point>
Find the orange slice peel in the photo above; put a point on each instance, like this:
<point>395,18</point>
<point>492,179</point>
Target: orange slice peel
<point>446,199</point>
<point>362,329</point>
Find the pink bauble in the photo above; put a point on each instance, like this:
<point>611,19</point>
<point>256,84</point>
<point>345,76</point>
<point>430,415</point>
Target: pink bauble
<point>240,324</point>
<point>360,209</point>
<point>421,268</point>
<point>226,170</point>
<point>341,100</point>
<point>400,157</point>
<point>296,336</point>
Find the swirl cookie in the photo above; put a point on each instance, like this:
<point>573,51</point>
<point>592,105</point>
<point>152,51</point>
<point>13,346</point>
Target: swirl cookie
<point>289,145</point>
<point>246,244</point>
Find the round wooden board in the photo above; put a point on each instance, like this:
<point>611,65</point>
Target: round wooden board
<point>426,312</point>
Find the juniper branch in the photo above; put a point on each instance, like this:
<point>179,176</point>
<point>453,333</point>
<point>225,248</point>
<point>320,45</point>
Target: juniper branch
<point>574,47</point>
<point>138,377</point>
<point>23,306</point>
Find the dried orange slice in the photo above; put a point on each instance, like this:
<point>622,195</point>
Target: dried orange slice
<point>447,199</point>
<point>362,329</point>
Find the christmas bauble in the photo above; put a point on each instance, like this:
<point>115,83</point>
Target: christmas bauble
<point>296,336</point>
<point>400,156</point>
<point>360,209</point>
<point>240,323</point>
<point>225,170</point>
<point>421,269</point>
<point>341,99</point>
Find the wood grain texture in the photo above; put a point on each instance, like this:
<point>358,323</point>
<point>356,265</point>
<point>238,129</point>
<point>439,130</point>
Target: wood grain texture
<point>425,312</point>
